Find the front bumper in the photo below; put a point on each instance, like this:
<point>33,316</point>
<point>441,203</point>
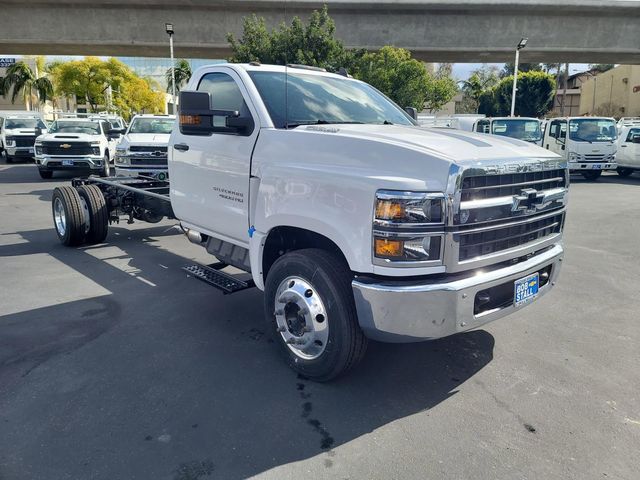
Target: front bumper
<point>79,162</point>
<point>24,152</point>
<point>586,166</point>
<point>131,171</point>
<point>410,311</point>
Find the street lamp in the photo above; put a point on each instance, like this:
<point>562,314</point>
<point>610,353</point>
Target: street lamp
<point>521,45</point>
<point>169,29</point>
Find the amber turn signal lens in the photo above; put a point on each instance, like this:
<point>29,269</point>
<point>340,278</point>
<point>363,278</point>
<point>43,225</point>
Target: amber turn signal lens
<point>189,119</point>
<point>386,248</point>
<point>389,210</point>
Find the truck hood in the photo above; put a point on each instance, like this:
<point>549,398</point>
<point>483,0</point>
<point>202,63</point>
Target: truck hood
<point>69,137</point>
<point>16,132</point>
<point>147,138</point>
<point>456,146</point>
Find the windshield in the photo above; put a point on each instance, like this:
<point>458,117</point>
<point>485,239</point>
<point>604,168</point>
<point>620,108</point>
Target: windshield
<point>24,123</point>
<point>60,126</point>
<point>151,125</point>
<point>313,99</point>
<point>527,130</point>
<point>592,130</point>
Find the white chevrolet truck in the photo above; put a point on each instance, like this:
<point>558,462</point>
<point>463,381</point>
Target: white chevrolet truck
<point>77,144</point>
<point>355,222</point>
<point>143,148</point>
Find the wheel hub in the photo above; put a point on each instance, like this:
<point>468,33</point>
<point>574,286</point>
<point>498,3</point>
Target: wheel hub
<point>301,318</point>
<point>59,217</point>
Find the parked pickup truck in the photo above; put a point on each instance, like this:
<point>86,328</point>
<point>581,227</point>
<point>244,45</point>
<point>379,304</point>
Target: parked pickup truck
<point>77,144</point>
<point>355,222</point>
<point>18,132</point>
<point>143,149</point>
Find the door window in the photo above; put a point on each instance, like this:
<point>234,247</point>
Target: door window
<point>482,126</point>
<point>632,132</point>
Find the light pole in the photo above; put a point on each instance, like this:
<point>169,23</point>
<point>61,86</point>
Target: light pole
<point>521,45</point>
<point>169,28</point>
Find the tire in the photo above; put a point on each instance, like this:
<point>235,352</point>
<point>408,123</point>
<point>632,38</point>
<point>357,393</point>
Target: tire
<point>105,171</point>
<point>7,158</point>
<point>321,282</point>
<point>624,172</point>
<point>593,175</point>
<point>68,218</point>
<point>45,174</point>
<point>97,213</point>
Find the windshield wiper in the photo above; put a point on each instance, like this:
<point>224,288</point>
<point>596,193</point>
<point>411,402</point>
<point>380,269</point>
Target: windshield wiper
<point>317,122</point>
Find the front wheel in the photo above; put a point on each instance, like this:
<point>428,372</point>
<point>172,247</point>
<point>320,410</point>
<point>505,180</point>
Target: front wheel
<point>106,169</point>
<point>624,172</point>
<point>309,304</point>
<point>592,175</point>
<point>45,174</point>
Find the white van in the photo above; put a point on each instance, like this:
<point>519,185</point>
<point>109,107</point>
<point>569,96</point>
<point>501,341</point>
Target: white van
<point>628,154</point>
<point>18,132</point>
<point>590,146</point>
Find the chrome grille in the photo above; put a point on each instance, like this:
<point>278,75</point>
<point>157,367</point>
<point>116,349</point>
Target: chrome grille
<point>147,148</point>
<point>74,148</point>
<point>503,213</point>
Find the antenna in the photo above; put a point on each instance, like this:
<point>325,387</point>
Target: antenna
<point>286,73</point>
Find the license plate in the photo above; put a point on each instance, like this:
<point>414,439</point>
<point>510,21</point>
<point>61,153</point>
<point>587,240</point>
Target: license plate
<point>525,289</point>
<point>68,163</point>
<point>597,166</point>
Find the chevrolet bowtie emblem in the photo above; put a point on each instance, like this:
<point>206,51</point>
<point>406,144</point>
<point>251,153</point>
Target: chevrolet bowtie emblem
<point>527,201</point>
<point>65,145</point>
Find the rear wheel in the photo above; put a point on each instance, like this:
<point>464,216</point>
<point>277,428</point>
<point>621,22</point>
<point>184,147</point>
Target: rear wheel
<point>95,213</point>
<point>68,217</point>
<point>592,175</point>
<point>624,172</point>
<point>309,304</point>
<point>45,174</point>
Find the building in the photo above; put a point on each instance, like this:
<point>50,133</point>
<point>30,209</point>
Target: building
<point>570,100</point>
<point>614,93</point>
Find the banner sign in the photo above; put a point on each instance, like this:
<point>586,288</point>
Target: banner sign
<point>7,62</point>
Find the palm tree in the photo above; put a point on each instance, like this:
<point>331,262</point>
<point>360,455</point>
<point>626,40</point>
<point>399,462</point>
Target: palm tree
<point>182,73</point>
<point>21,78</point>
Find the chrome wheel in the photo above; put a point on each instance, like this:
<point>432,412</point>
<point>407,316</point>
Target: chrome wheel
<point>301,318</point>
<point>59,217</point>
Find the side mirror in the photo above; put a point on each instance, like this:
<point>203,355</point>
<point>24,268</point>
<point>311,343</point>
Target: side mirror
<point>197,117</point>
<point>38,131</point>
<point>113,134</point>
<point>635,139</point>
<point>412,112</point>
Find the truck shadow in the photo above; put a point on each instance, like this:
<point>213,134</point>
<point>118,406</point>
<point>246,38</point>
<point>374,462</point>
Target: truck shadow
<point>167,378</point>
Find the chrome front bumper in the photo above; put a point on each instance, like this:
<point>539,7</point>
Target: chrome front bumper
<point>147,171</point>
<point>20,151</point>
<point>397,311</point>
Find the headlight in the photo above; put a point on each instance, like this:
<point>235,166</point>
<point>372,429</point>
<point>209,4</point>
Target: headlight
<point>38,148</point>
<point>120,160</point>
<point>574,157</point>
<point>399,218</point>
<point>409,208</point>
<point>413,249</point>
<point>10,142</point>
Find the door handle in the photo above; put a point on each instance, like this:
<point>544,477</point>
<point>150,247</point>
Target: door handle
<point>623,146</point>
<point>183,147</point>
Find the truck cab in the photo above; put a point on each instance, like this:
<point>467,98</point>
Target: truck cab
<point>86,145</point>
<point>18,134</point>
<point>587,143</point>
<point>521,128</point>
<point>628,154</point>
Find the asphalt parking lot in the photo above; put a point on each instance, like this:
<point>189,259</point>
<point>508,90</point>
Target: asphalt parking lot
<point>115,365</point>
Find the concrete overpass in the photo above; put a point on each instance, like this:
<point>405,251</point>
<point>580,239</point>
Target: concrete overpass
<point>577,31</point>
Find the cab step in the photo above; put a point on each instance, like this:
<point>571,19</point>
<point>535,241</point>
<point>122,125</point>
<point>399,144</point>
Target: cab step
<point>212,275</point>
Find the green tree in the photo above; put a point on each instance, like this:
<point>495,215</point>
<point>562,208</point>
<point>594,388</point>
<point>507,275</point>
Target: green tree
<point>312,44</point>
<point>441,88</point>
<point>89,80</point>
<point>601,67</point>
<point>21,79</point>
<point>508,68</point>
<point>534,97</point>
<point>183,73</point>
<point>480,80</point>
<point>392,71</point>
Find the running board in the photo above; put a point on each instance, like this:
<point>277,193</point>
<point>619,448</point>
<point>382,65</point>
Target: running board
<point>224,282</point>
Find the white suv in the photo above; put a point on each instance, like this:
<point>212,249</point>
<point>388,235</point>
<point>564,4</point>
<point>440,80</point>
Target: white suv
<point>143,149</point>
<point>76,144</point>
